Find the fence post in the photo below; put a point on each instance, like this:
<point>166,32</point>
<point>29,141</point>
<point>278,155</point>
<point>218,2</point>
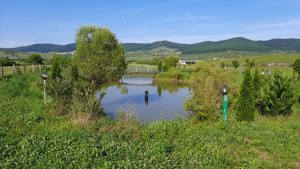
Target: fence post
<point>32,66</point>
<point>135,68</point>
<point>148,69</point>
<point>1,71</point>
<point>40,67</point>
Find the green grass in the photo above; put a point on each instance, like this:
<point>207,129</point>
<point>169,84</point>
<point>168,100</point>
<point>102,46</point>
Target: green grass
<point>31,137</point>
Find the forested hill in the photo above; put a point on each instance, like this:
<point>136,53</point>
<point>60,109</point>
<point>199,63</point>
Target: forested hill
<point>234,44</point>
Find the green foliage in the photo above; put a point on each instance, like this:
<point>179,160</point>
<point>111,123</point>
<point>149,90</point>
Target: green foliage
<point>257,84</point>
<point>74,72</point>
<point>99,55</point>
<point>6,62</point>
<point>85,100</point>
<point>246,102</point>
<point>205,102</point>
<point>169,62</point>
<point>222,64</point>
<point>30,137</point>
<point>35,59</point>
<point>249,63</point>
<point>235,63</point>
<point>20,85</point>
<point>278,95</point>
<point>296,66</point>
<point>160,66</point>
<point>56,67</point>
<point>60,91</point>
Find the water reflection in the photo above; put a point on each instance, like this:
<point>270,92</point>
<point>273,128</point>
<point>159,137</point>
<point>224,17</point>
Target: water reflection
<point>163,101</point>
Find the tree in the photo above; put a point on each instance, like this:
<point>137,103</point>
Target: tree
<point>296,66</point>
<point>235,63</point>
<point>170,61</point>
<point>278,96</point>
<point>56,70</point>
<point>99,55</point>
<point>35,59</point>
<point>160,66</point>
<point>257,85</point>
<point>246,101</point>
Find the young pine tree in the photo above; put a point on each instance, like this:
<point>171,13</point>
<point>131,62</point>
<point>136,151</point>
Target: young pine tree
<point>56,71</point>
<point>160,66</point>
<point>246,101</point>
<point>256,85</point>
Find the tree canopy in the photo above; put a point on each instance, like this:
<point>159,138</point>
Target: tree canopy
<point>99,55</point>
<point>35,59</point>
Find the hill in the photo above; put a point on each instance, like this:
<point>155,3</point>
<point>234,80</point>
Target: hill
<point>238,44</point>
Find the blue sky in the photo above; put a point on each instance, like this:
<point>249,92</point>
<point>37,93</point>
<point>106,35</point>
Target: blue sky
<point>24,22</point>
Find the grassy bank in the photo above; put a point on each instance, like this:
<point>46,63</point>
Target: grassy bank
<point>31,137</point>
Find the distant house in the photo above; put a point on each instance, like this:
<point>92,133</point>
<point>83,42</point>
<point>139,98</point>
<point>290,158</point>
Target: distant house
<point>187,62</point>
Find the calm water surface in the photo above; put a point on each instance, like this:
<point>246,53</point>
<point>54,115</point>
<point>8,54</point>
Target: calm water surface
<point>165,102</point>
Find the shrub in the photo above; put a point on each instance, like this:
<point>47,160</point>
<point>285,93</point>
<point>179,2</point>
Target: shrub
<point>205,102</point>
<point>160,66</point>
<point>60,91</point>
<point>35,59</point>
<point>74,72</point>
<point>235,63</point>
<point>222,65</point>
<point>56,70</point>
<point>277,95</point>
<point>84,100</point>
<point>246,101</point>
<point>257,85</point>
<point>296,66</point>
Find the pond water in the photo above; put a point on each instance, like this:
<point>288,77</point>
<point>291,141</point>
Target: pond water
<point>165,102</point>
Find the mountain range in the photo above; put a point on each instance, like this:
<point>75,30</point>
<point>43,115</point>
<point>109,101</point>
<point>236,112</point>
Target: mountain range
<point>233,44</point>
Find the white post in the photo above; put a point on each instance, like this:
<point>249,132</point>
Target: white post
<point>135,68</point>
<point>148,69</point>
<point>40,68</point>
<point>44,91</point>
<point>32,67</point>
<point>14,69</point>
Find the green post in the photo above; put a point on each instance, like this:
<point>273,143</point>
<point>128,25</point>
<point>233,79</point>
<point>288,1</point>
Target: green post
<point>225,104</point>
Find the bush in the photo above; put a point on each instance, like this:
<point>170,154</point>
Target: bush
<point>170,62</point>
<point>235,63</point>
<point>246,102</point>
<point>277,95</point>
<point>60,91</point>
<point>35,59</point>
<point>7,62</point>
<point>296,66</point>
<point>56,70</point>
<point>208,80</point>
<point>74,72</point>
<point>84,100</point>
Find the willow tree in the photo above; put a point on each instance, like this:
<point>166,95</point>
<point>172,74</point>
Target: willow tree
<point>99,55</point>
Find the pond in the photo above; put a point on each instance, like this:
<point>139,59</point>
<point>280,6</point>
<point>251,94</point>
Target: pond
<point>165,102</point>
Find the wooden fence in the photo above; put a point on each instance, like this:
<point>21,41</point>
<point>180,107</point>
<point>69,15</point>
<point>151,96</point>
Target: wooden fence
<point>17,69</point>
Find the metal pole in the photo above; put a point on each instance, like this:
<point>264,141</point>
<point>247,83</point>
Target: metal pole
<point>225,106</point>
<point>44,91</point>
